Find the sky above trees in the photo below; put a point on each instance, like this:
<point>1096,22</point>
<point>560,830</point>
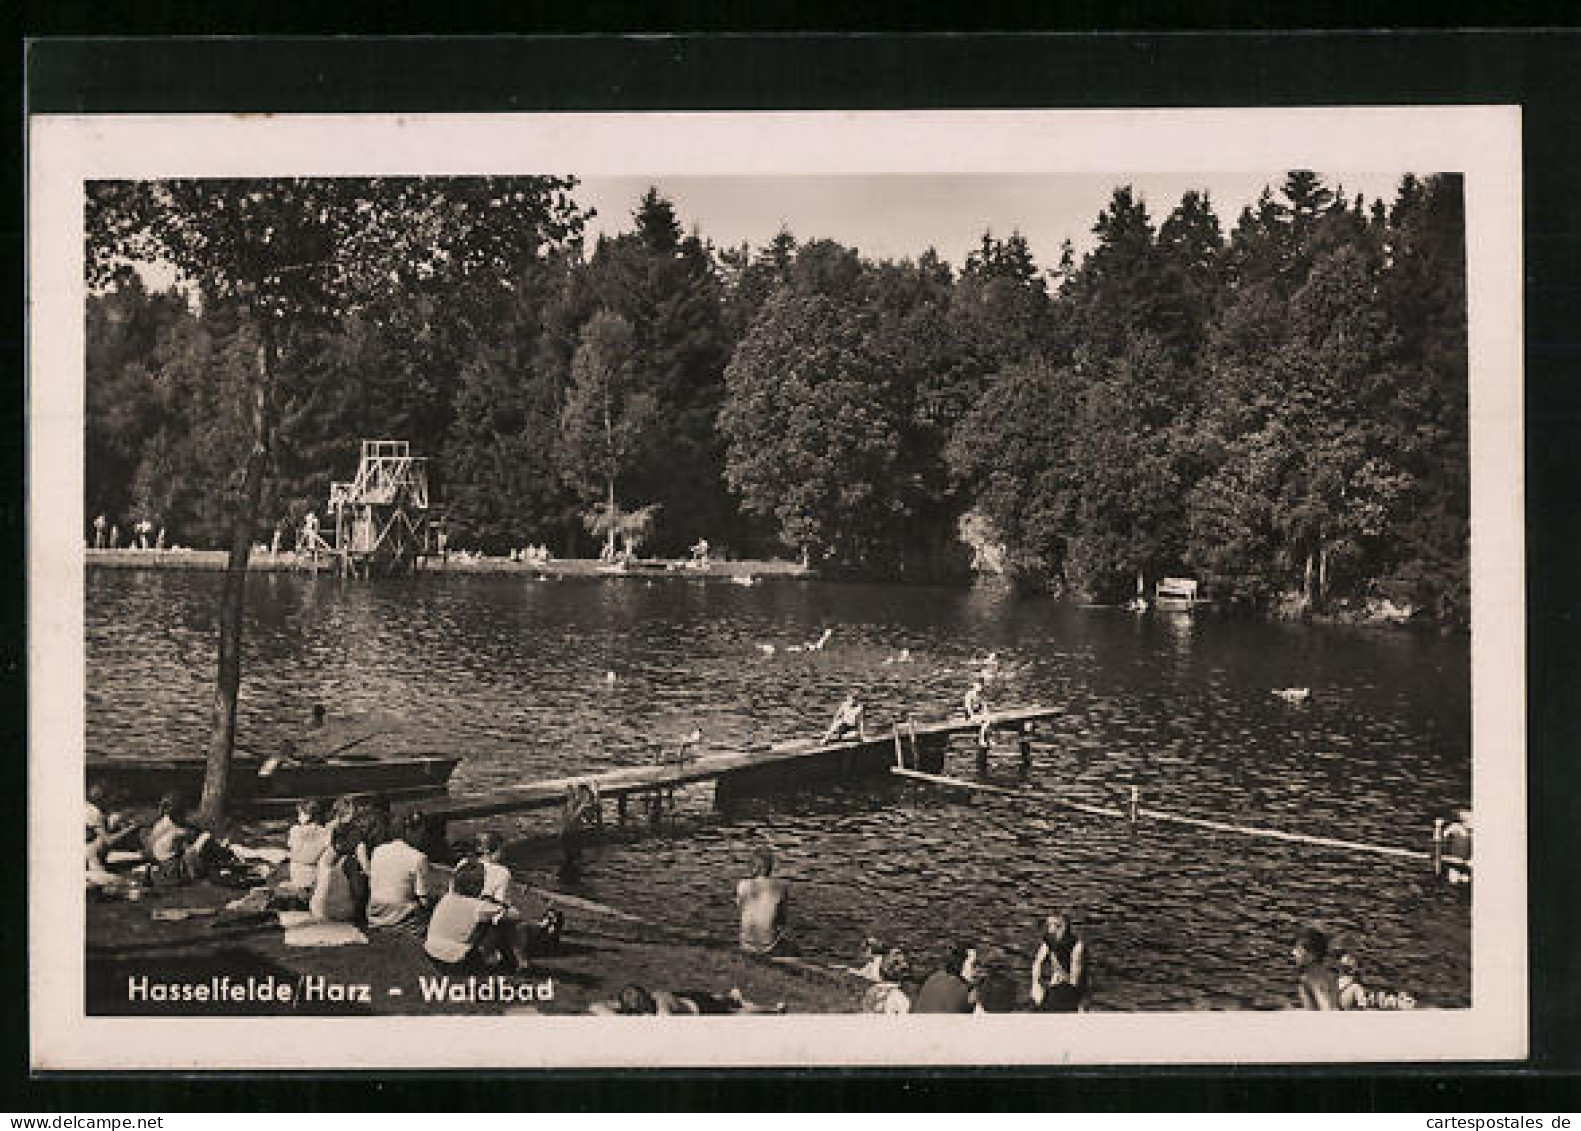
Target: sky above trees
<point>899,216</point>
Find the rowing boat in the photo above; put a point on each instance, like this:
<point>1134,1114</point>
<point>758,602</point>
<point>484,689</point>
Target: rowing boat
<point>253,782</point>
<point>365,755</point>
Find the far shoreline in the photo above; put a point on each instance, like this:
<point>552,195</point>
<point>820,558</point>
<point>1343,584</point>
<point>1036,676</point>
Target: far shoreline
<point>262,561</point>
<point>742,571</point>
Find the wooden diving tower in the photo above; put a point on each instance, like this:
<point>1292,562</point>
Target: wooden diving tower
<point>381,518</point>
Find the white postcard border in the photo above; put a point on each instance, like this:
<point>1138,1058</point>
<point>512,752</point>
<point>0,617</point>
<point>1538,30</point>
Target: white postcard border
<point>65,151</point>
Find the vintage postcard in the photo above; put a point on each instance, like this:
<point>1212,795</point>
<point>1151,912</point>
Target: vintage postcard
<point>765,589</point>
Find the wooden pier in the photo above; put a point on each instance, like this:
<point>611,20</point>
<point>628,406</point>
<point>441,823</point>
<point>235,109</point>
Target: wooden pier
<point>740,774</point>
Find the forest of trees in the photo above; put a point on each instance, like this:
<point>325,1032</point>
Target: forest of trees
<point>1279,410</point>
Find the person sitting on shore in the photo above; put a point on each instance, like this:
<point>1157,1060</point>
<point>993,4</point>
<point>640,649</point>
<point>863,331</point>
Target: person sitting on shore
<point>949,988</point>
<point>848,722</point>
<point>374,820</point>
<point>496,876</point>
<point>1316,987</point>
<point>1352,991</point>
<point>543,938</point>
<point>176,851</point>
<point>468,932</point>
<point>763,901</point>
<point>340,887</point>
<point>398,878</point>
<point>307,841</point>
<point>636,1001</point>
<point>996,991</point>
<point>892,989</point>
<point>105,833</point>
<point>873,951</point>
<point>1059,969</point>
<point>1354,994</point>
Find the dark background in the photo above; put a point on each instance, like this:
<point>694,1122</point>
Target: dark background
<point>1130,65</point>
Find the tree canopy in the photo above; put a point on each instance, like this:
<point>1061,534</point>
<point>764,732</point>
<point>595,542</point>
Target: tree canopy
<point>1277,406</point>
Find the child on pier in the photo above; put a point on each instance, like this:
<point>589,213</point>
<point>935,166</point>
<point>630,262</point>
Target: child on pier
<point>177,852</point>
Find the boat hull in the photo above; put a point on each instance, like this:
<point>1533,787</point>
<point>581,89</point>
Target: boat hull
<point>144,781</point>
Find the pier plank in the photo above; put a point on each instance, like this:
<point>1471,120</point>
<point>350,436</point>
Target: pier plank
<point>815,756</point>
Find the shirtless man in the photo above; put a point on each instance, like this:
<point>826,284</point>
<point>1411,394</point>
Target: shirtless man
<point>1317,987</point>
<point>762,899</point>
<point>848,721</point>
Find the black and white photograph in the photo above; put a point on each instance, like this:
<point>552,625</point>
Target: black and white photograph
<point>709,589</point>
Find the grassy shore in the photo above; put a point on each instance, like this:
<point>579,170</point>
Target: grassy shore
<point>264,561</point>
<point>602,949</point>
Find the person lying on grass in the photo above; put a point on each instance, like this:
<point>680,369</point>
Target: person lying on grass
<point>634,1000</point>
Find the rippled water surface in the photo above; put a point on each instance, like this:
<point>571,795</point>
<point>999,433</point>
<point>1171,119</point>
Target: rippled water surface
<point>511,670</point>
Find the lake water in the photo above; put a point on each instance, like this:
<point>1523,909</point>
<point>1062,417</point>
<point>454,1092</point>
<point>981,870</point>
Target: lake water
<point>512,670</point>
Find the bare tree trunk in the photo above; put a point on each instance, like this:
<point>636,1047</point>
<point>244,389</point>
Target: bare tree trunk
<point>233,601</point>
<point>609,535</point>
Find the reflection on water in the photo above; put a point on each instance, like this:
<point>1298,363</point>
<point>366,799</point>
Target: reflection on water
<point>511,671</point>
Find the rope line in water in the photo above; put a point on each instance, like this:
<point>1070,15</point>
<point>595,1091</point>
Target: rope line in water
<point>1162,815</point>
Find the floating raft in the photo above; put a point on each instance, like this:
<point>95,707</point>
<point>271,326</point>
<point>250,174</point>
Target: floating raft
<point>743,773</point>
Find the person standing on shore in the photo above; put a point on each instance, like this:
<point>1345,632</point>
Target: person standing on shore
<point>115,535</point>
<point>762,898</point>
<point>1059,970</point>
<point>100,525</point>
